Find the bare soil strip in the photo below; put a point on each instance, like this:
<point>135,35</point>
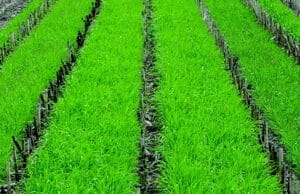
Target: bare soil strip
<point>32,133</point>
<point>24,30</point>
<point>282,38</point>
<point>294,5</point>
<point>277,154</point>
<point>150,157</point>
<point>9,9</point>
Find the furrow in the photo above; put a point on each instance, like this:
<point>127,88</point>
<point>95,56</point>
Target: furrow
<point>24,30</point>
<point>282,37</point>
<point>150,157</point>
<point>32,133</point>
<point>268,138</point>
<point>294,5</point>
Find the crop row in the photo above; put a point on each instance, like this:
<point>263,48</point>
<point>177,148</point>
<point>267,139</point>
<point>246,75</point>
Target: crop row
<point>27,72</point>
<point>92,142</point>
<point>273,75</point>
<point>32,133</point>
<point>276,151</point>
<point>11,36</point>
<point>209,142</point>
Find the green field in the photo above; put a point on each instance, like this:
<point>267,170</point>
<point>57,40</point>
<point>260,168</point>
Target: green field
<point>150,106</point>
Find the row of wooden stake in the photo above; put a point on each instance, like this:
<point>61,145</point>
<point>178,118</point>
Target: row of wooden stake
<point>289,179</point>
<point>32,132</point>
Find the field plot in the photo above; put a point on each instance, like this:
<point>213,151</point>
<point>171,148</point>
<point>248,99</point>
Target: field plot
<point>135,96</point>
<point>208,135</point>
<point>92,143</point>
<point>273,75</point>
<point>27,72</point>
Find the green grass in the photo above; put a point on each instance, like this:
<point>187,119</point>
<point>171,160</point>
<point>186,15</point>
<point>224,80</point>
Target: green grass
<point>27,72</point>
<point>272,73</point>
<point>92,142</point>
<point>13,24</point>
<point>210,143</point>
<point>283,15</point>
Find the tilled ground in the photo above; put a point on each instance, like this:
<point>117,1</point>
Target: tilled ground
<point>9,9</point>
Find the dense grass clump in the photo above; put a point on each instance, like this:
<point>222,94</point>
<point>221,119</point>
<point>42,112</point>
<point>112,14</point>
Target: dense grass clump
<point>92,142</point>
<point>210,144</point>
